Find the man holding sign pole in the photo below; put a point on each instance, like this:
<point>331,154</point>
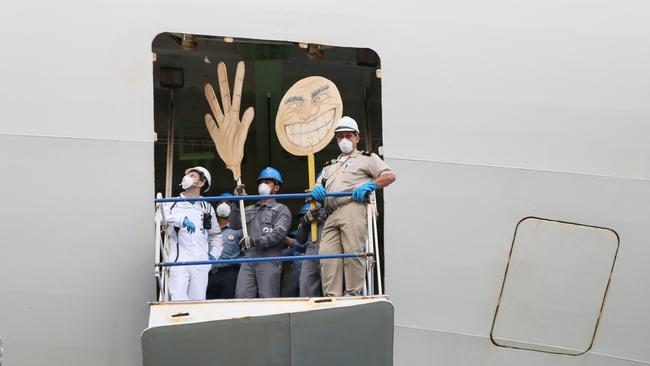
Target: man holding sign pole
<point>268,224</point>
<point>346,228</point>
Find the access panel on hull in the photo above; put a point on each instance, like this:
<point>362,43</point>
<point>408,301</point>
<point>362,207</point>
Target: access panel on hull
<point>555,286</point>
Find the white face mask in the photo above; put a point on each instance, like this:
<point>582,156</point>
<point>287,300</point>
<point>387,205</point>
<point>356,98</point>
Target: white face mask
<point>346,146</point>
<point>187,182</point>
<point>264,189</point>
<point>223,210</point>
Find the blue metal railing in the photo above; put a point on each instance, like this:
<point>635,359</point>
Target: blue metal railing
<point>279,196</point>
<point>266,259</point>
<point>305,196</point>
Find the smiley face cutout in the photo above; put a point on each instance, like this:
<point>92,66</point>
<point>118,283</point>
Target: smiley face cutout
<point>307,115</point>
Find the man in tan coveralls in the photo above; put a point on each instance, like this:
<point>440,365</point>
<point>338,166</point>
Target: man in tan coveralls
<point>346,228</point>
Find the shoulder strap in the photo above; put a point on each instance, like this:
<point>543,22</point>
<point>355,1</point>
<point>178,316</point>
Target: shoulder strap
<point>206,207</point>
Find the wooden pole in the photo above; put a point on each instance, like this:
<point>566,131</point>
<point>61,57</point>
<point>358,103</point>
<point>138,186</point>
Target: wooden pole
<point>311,167</point>
<point>242,213</point>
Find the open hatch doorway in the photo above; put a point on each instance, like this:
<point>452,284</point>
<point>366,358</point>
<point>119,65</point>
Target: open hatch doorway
<point>184,64</point>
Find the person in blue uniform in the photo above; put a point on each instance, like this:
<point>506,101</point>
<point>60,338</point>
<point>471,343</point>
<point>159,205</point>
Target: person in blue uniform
<point>291,269</point>
<point>223,277</point>
<point>310,280</point>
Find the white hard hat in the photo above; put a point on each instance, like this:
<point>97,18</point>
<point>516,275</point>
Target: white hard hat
<point>346,124</point>
<point>203,172</point>
<point>223,210</point>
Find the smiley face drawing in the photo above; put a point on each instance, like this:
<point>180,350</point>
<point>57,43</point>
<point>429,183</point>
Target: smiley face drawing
<point>307,115</point>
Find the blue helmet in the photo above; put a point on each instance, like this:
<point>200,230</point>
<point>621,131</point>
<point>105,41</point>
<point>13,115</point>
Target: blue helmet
<point>304,209</point>
<point>224,195</point>
<point>270,173</point>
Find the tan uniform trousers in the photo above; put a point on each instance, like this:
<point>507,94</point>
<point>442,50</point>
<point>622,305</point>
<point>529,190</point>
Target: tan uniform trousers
<point>345,231</point>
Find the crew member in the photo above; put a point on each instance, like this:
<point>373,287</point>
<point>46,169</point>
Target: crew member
<point>194,236</point>
<point>346,228</point>
<point>223,277</point>
<point>310,282</point>
<point>290,280</point>
<point>268,223</point>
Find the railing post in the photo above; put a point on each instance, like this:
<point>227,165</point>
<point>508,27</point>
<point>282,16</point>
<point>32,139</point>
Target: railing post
<point>158,271</point>
<point>375,213</point>
<point>162,250</point>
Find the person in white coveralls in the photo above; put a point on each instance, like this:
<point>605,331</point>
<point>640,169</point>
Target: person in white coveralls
<point>194,236</point>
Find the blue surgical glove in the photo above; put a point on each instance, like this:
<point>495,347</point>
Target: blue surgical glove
<point>189,225</point>
<point>359,193</point>
<point>318,193</point>
<point>213,268</point>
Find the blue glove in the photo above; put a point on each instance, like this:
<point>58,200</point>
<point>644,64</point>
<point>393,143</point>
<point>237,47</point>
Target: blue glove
<point>189,225</point>
<point>214,267</point>
<point>318,193</point>
<point>359,193</point>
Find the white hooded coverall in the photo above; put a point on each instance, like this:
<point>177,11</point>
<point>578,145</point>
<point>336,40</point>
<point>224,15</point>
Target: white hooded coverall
<point>188,283</point>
